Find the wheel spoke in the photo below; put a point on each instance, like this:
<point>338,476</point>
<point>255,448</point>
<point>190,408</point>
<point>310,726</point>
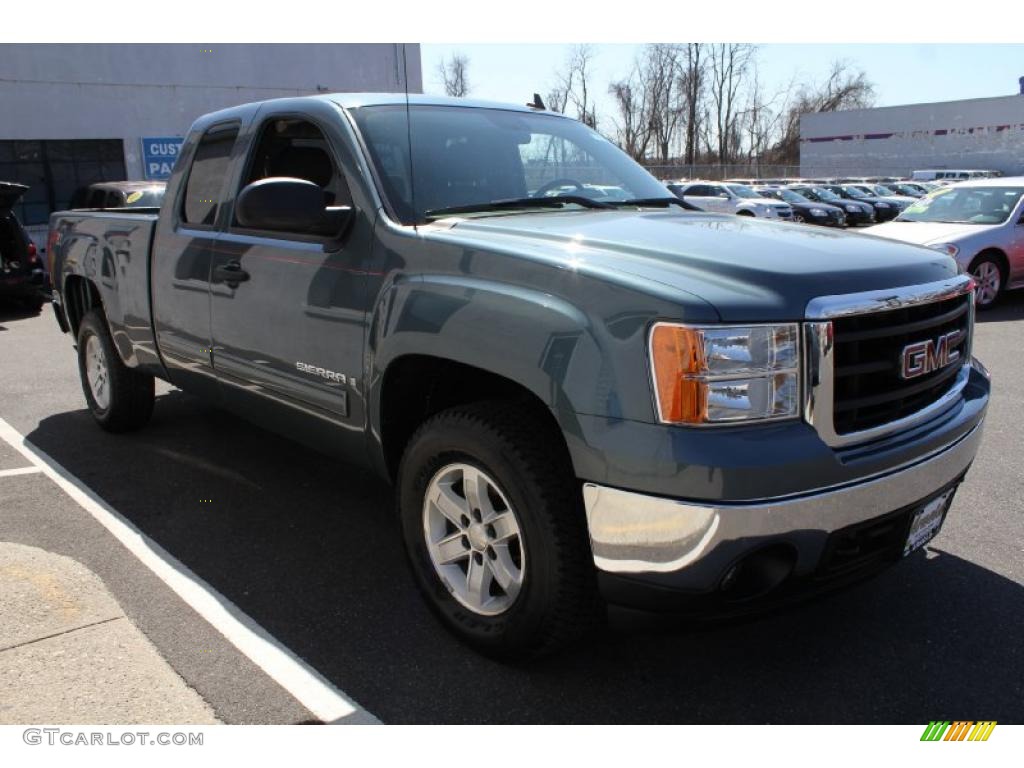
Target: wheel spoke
<point>504,570</point>
<point>474,485</point>
<point>449,504</point>
<point>504,526</point>
<point>478,581</point>
<point>451,549</point>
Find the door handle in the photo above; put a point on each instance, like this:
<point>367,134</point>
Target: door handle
<point>231,272</point>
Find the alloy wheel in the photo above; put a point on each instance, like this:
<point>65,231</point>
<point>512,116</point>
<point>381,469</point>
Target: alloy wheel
<point>989,281</point>
<point>97,372</point>
<point>474,539</point>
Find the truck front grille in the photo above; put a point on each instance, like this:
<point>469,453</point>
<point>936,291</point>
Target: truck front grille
<point>869,389</point>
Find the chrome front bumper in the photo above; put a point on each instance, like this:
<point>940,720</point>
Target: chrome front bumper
<point>633,533</point>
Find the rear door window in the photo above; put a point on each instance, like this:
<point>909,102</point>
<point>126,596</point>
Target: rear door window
<point>206,178</point>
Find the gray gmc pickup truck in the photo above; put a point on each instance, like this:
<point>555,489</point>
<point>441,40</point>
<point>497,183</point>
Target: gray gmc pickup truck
<point>583,392</point>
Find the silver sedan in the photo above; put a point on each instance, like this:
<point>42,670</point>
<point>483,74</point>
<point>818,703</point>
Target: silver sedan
<point>979,223</point>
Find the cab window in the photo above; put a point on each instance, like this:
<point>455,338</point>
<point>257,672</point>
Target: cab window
<point>205,183</point>
<point>297,149</point>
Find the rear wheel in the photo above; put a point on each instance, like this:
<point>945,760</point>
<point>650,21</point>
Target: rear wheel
<point>34,304</point>
<point>494,529</point>
<point>988,274</point>
<point>120,398</point>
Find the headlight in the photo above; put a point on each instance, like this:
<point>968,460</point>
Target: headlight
<point>852,208</point>
<point>882,205</point>
<point>947,248</point>
<point>716,374</point>
<point>818,212</point>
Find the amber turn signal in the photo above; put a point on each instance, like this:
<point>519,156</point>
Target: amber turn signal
<point>677,353</point>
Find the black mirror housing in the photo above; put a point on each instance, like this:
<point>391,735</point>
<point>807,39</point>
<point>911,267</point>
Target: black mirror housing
<point>282,203</point>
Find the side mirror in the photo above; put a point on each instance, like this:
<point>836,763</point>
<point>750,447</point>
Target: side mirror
<point>288,205</point>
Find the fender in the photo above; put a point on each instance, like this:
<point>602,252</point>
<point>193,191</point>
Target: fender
<point>537,340</point>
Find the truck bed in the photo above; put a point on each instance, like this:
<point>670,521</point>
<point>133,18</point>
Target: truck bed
<point>111,249</point>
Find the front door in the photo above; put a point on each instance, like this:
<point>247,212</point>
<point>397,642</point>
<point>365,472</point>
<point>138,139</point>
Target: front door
<point>288,308</point>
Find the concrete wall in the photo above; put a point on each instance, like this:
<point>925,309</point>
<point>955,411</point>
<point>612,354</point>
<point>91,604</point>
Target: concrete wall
<point>985,134</point>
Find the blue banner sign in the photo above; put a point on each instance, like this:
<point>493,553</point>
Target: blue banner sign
<point>158,156</point>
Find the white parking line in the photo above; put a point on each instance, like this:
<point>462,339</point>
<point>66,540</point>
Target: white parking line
<point>308,686</point>
<point>19,471</point>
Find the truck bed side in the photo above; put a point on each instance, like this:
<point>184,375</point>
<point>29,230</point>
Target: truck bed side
<point>103,257</point>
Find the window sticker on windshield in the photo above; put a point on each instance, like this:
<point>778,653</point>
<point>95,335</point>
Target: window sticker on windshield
<point>133,197</point>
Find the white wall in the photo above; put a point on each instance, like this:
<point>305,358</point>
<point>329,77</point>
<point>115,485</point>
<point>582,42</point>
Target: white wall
<point>976,133</point>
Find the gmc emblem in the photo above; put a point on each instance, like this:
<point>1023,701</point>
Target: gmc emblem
<point>926,356</point>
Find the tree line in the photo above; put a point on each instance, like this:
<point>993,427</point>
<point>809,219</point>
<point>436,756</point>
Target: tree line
<point>693,103</point>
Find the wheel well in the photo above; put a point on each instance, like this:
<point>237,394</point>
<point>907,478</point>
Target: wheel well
<point>1000,258</point>
<point>80,295</point>
<point>744,213</point>
<point>416,387</point>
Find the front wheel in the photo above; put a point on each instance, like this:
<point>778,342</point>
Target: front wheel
<point>494,530</point>
<point>988,274</point>
<point>120,398</point>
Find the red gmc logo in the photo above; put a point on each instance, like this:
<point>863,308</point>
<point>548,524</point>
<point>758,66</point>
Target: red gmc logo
<point>926,356</point>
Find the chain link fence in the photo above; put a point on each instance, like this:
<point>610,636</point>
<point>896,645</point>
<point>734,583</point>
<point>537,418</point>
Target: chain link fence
<point>715,172</point>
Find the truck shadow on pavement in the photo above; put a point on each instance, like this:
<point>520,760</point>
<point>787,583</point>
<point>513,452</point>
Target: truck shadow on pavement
<point>310,549</point>
<point>1009,307</point>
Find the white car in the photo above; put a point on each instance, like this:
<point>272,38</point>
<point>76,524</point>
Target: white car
<point>979,223</point>
<point>725,197</point>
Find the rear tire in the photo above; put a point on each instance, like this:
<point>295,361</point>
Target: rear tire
<point>34,304</point>
<point>531,494</point>
<point>988,272</point>
<point>120,398</point>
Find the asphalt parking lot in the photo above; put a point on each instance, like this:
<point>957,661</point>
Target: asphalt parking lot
<point>310,550</point>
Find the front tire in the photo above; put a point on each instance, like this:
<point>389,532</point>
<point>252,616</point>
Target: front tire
<point>494,530</point>
<point>120,398</point>
<point>988,273</point>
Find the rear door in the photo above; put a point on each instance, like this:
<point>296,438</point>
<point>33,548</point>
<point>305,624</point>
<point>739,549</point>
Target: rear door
<point>288,308</point>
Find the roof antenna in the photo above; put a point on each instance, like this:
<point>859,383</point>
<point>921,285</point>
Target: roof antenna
<point>537,102</point>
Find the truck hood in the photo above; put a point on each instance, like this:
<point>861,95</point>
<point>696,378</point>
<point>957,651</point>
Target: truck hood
<point>927,232</point>
<point>749,270</point>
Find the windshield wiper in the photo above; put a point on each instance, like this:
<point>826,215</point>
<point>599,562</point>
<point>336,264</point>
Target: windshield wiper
<point>555,201</point>
<point>657,201</point>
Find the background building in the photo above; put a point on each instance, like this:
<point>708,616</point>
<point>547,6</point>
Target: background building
<point>74,114</point>
<point>982,134</point>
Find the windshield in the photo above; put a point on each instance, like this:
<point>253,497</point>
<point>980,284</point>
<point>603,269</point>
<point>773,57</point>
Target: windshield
<point>144,198</point>
<point>878,189</point>
<point>791,197</point>
<point>855,192</point>
<point>742,191</point>
<point>466,156</point>
<point>965,205</point>
<point>826,194</point>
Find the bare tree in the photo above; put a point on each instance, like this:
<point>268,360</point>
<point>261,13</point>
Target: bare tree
<point>729,65</point>
<point>661,76</point>
<point>453,74</point>
<point>632,122</point>
<point>691,83</point>
<point>845,87</point>
<point>573,87</point>
<point>762,119</point>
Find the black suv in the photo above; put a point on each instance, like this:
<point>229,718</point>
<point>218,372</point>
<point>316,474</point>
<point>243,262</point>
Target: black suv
<point>22,276</point>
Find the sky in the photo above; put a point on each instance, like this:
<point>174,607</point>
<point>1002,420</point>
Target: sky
<point>902,74</point>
